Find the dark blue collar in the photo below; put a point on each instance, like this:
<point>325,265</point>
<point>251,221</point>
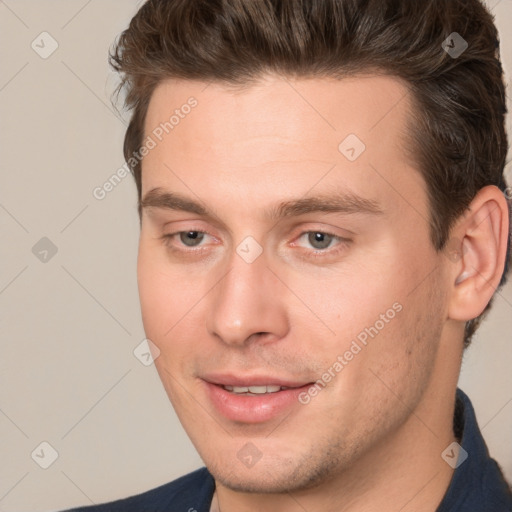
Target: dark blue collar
<point>477,483</point>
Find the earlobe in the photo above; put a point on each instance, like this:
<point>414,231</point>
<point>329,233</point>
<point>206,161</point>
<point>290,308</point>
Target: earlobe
<point>484,235</point>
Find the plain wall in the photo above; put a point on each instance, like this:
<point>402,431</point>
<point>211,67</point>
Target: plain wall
<point>68,326</point>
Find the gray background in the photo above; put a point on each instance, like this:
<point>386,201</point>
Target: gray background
<point>69,325</point>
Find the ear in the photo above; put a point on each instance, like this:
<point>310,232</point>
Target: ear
<point>477,250</point>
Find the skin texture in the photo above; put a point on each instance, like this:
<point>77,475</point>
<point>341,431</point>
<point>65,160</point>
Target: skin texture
<point>372,438</point>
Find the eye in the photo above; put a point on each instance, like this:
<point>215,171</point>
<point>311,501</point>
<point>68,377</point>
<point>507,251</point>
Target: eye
<point>312,243</point>
<point>320,245</point>
<point>318,239</point>
<point>191,238</point>
<point>179,240</point>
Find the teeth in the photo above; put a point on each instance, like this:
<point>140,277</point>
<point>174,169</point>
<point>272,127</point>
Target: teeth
<point>255,390</point>
<point>264,389</point>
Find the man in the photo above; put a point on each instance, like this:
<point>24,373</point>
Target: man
<point>324,221</point>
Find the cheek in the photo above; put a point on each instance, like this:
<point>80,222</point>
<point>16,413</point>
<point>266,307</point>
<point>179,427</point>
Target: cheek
<point>162,306</point>
<point>403,356</point>
<point>155,300</point>
<point>162,296</point>
<point>171,306</point>
<point>346,302</point>
<point>377,318</point>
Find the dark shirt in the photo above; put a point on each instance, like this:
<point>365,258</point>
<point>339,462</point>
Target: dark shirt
<point>477,484</point>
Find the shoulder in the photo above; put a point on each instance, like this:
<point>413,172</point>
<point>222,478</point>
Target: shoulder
<point>192,492</point>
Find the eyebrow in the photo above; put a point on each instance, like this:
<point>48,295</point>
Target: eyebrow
<point>347,203</point>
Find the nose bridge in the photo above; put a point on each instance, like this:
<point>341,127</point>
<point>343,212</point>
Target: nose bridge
<point>246,301</point>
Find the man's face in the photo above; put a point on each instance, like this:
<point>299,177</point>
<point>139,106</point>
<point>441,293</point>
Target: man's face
<point>269,287</point>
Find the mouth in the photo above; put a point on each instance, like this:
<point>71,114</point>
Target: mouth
<point>253,400</point>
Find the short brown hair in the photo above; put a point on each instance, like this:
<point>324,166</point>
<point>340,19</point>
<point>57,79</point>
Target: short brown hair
<point>458,136</point>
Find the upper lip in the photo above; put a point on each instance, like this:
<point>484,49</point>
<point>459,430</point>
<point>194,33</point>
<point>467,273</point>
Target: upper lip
<point>225,379</point>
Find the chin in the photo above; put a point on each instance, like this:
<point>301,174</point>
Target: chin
<point>274,477</point>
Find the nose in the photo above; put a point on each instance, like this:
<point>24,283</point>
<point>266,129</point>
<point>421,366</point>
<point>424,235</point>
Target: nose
<point>247,304</point>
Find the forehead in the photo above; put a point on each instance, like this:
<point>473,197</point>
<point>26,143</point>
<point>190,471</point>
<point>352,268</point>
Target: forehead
<point>282,132</point>
<point>301,109</point>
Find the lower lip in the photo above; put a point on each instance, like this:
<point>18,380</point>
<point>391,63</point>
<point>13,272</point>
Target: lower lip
<point>253,409</point>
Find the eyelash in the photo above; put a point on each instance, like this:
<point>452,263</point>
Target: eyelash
<point>315,253</point>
